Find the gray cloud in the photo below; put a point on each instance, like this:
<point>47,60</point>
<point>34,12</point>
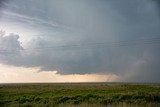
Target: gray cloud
<point>117,37</point>
<point>2,5</point>
<point>10,47</point>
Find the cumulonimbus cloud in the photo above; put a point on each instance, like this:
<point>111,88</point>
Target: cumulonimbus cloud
<point>108,37</point>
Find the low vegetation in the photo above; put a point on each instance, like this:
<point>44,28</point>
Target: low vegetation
<point>51,95</point>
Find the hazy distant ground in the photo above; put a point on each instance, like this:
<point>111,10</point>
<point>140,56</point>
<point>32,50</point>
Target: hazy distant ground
<point>79,94</point>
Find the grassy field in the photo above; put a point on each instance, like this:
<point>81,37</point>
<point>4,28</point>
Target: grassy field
<point>60,94</point>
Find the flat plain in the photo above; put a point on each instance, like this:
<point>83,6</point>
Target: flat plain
<point>78,94</point>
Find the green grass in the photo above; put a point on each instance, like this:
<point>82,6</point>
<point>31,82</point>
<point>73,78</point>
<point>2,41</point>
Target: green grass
<point>50,95</point>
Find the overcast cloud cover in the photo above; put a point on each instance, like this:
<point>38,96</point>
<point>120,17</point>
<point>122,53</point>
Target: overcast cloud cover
<point>120,37</point>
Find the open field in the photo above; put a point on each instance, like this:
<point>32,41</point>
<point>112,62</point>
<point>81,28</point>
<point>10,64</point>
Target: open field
<point>60,94</point>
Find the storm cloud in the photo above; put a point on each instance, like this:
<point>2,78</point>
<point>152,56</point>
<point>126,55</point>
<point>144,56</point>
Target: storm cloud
<point>119,37</point>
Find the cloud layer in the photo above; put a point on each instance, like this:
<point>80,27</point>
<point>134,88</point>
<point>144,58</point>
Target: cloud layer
<point>79,37</point>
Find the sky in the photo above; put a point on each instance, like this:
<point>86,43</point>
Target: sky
<point>79,41</point>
